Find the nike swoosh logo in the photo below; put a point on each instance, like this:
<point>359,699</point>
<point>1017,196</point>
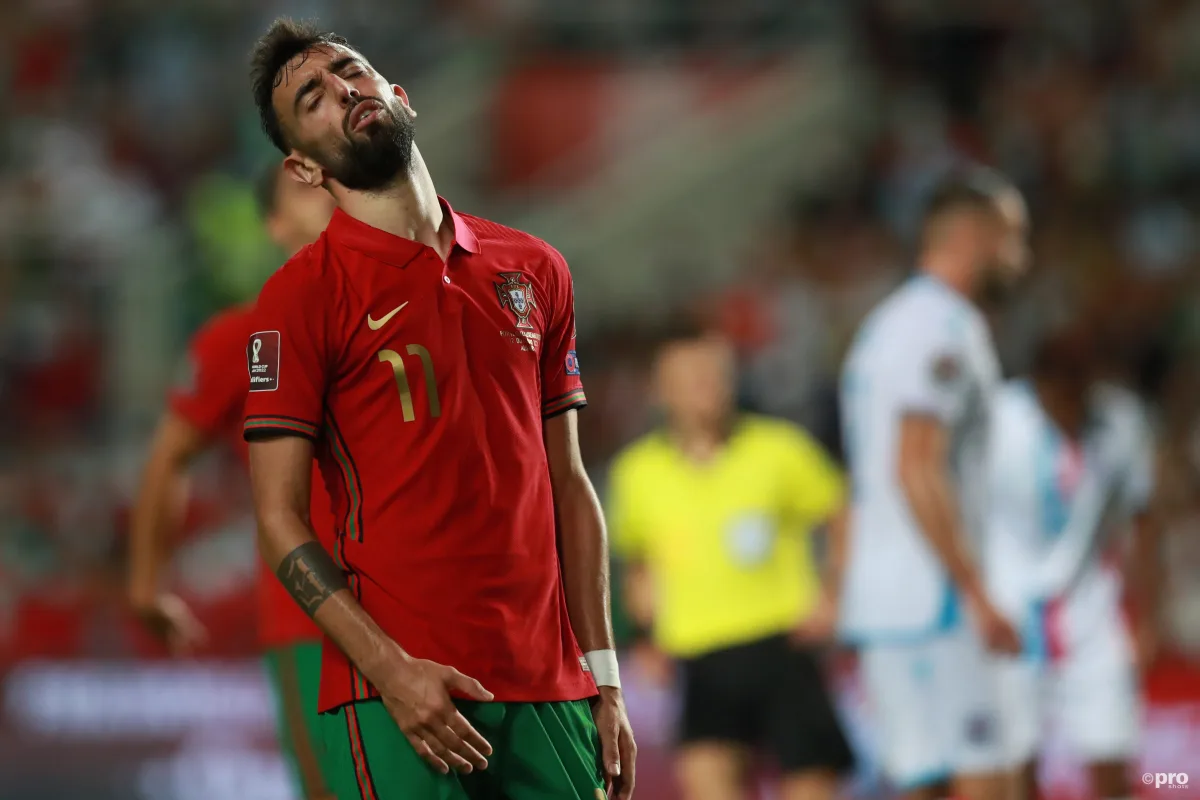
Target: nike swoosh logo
<point>376,324</point>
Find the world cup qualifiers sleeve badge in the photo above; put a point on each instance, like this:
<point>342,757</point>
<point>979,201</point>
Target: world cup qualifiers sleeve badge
<point>262,361</point>
<point>517,296</point>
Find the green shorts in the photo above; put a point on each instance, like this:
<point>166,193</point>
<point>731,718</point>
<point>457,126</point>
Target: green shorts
<point>541,751</point>
<point>295,673</point>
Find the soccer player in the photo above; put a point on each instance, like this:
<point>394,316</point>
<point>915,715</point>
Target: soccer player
<point>202,410</point>
<point>917,389</point>
<point>427,358</point>
<point>1071,469</point>
<point>713,515</point>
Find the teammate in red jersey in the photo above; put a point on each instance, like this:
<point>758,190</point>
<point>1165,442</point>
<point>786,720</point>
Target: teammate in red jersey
<point>427,358</point>
<point>203,409</point>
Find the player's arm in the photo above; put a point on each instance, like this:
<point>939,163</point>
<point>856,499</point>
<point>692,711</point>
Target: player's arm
<point>584,540</point>
<point>584,553</point>
<point>817,500</point>
<point>1144,571</point>
<point>154,523</point>
<point>1144,567</point>
<point>582,536</point>
<point>414,690</point>
<point>923,471</point>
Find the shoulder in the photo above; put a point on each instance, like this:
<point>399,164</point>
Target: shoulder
<point>307,272</point>
<point>642,454</point>
<point>1013,406</point>
<point>1014,395</point>
<point>924,312</point>
<point>505,241</point>
<point>761,429</point>
<point>773,435</point>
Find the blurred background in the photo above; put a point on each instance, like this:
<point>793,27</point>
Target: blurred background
<point>758,163</point>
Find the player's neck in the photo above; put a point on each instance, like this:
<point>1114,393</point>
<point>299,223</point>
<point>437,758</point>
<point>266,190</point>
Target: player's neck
<point>699,442</point>
<point>409,208</point>
<point>1068,413</point>
<point>950,272</point>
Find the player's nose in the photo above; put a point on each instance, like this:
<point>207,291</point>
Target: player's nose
<point>346,93</point>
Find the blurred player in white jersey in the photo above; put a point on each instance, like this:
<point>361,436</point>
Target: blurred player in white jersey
<point>917,388</point>
<point>1071,467</point>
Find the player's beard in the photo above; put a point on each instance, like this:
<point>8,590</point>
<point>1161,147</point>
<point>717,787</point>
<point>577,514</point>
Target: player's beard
<point>996,287</point>
<point>372,159</point>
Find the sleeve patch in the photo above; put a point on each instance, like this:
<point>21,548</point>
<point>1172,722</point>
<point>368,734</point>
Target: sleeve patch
<point>262,361</point>
<point>947,369</point>
<point>572,363</point>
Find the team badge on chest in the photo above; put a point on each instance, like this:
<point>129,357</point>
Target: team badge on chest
<point>517,296</point>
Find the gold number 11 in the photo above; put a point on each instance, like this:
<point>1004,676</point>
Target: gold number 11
<point>397,362</point>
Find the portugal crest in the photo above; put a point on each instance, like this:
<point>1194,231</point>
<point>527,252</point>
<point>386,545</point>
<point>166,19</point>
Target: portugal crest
<point>516,295</point>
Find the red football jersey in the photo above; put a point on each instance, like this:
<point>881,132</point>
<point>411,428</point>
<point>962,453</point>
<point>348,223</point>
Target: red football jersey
<point>424,385</point>
<point>211,396</point>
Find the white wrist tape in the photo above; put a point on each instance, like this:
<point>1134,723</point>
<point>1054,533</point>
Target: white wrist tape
<point>603,666</point>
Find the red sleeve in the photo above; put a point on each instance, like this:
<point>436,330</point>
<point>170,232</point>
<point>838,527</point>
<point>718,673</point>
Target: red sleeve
<point>211,387</point>
<point>286,355</point>
<point>562,386</point>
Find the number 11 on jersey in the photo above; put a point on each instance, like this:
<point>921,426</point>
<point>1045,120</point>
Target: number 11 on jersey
<point>401,375</point>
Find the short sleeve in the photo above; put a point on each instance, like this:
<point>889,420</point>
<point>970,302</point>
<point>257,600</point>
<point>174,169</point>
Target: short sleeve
<point>814,484</point>
<point>626,529</point>
<point>286,356</point>
<point>934,376</point>
<point>210,387</point>
<point>562,384</point>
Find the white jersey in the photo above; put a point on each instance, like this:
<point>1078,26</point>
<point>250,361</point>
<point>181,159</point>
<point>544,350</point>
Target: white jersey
<point>1057,504</point>
<point>924,350</point>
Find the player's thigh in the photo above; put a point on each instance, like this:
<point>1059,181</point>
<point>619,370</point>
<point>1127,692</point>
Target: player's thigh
<point>712,771</point>
<point>370,759</point>
<point>1020,683</point>
<point>900,686</point>
<point>1098,701</point>
<point>551,751</point>
<point>969,705</point>
<point>803,731</point>
<point>294,672</point>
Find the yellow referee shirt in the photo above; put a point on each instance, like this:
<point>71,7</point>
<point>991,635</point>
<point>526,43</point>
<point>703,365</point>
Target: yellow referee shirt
<point>727,541</point>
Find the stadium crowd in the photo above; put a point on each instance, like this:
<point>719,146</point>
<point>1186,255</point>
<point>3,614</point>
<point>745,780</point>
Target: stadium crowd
<point>127,216</point>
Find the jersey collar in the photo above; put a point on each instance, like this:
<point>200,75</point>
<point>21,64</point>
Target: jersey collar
<point>388,247</point>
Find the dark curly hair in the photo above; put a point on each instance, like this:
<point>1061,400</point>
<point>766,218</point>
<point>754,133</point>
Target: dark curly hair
<point>283,41</point>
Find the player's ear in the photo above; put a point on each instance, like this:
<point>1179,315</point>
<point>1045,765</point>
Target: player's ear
<point>303,169</point>
<point>403,97</point>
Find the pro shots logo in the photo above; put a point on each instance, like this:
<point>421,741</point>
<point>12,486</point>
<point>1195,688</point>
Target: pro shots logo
<point>262,361</point>
<point>1166,780</point>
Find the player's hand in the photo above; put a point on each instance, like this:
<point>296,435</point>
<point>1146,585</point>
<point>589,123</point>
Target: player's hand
<point>997,632</point>
<point>417,695</point>
<point>168,617</point>
<point>820,625</point>
<point>618,750</point>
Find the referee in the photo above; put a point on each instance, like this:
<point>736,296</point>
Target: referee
<point>712,515</point>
